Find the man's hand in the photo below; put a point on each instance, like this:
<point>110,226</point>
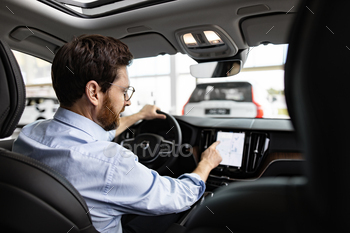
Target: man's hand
<point>148,112</point>
<point>211,155</point>
<point>210,159</point>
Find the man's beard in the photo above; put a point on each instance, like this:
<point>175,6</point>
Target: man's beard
<point>108,118</point>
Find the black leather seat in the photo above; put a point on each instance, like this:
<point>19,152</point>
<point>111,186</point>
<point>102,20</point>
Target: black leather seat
<point>317,93</point>
<point>33,197</point>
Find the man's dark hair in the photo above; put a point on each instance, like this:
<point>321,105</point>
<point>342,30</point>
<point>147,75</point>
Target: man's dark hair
<point>85,58</point>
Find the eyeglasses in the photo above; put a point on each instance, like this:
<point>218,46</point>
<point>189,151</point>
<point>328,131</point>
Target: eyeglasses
<point>128,91</point>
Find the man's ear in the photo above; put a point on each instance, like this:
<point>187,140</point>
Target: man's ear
<point>92,91</point>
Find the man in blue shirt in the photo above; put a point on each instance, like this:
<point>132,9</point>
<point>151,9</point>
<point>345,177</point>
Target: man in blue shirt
<point>91,82</point>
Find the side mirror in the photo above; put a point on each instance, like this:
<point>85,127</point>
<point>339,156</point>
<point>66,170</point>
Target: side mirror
<point>217,69</point>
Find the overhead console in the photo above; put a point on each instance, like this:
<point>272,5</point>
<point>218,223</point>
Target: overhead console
<point>206,42</point>
<point>242,152</point>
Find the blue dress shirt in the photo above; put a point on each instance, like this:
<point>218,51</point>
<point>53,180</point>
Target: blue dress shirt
<point>108,176</point>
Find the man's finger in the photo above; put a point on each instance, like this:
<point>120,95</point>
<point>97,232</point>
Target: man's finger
<point>161,116</point>
<point>215,144</point>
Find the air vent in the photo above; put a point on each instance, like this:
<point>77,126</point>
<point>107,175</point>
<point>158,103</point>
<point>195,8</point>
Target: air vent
<point>129,134</point>
<point>258,145</point>
<point>207,138</point>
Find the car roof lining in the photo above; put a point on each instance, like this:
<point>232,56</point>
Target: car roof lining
<point>163,19</point>
<point>267,29</point>
<point>153,44</point>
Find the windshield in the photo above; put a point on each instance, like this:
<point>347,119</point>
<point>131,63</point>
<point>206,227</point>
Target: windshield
<point>256,92</point>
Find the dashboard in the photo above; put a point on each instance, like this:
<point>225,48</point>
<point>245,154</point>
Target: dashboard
<point>251,148</point>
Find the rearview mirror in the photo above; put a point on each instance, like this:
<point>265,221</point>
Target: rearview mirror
<point>217,69</point>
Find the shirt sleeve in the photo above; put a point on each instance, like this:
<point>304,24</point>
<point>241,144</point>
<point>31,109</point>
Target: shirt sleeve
<point>143,191</point>
<point>111,134</point>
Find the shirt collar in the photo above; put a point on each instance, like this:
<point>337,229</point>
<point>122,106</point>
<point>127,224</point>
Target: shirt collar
<point>82,123</point>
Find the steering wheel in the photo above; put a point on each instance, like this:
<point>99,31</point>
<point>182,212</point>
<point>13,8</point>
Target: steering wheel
<point>152,149</point>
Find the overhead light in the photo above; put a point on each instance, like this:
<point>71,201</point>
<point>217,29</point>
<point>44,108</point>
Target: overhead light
<point>206,42</point>
<point>189,40</point>
<point>213,38</point>
<point>198,39</point>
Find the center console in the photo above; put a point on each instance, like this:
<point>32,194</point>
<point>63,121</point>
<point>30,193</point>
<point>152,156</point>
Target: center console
<point>242,153</point>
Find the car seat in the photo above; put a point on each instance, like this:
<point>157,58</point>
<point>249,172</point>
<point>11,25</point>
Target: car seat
<point>33,197</point>
<point>316,90</point>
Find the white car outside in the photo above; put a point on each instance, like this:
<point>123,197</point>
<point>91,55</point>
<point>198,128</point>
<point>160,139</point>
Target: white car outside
<point>228,99</point>
<point>38,108</point>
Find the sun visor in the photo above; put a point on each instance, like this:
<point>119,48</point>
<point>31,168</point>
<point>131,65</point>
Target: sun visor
<point>267,29</point>
<point>148,45</point>
<point>35,41</point>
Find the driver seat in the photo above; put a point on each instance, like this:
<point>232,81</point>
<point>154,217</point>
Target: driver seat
<point>33,197</point>
<point>317,93</point>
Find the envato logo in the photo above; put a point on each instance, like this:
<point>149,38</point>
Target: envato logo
<point>111,150</point>
<point>165,150</point>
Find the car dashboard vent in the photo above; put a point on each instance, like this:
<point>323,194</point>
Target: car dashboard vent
<point>207,138</point>
<point>258,145</point>
<point>129,133</point>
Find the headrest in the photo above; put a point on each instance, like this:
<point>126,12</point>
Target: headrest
<point>12,91</point>
<point>317,95</point>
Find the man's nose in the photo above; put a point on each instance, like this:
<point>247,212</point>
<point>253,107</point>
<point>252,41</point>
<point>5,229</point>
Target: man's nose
<point>128,103</point>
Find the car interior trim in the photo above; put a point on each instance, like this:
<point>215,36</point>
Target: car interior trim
<point>153,44</point>
<point>239,123</point>
<point>278,159</point>
<point>60,5</point>
<point>253,9</point>
<point>267,29</point>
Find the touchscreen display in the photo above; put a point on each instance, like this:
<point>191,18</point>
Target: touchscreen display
<point>231,148</point>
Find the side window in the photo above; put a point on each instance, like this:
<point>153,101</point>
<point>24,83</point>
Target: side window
<point>41,101</point>
<point>34,70</point>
